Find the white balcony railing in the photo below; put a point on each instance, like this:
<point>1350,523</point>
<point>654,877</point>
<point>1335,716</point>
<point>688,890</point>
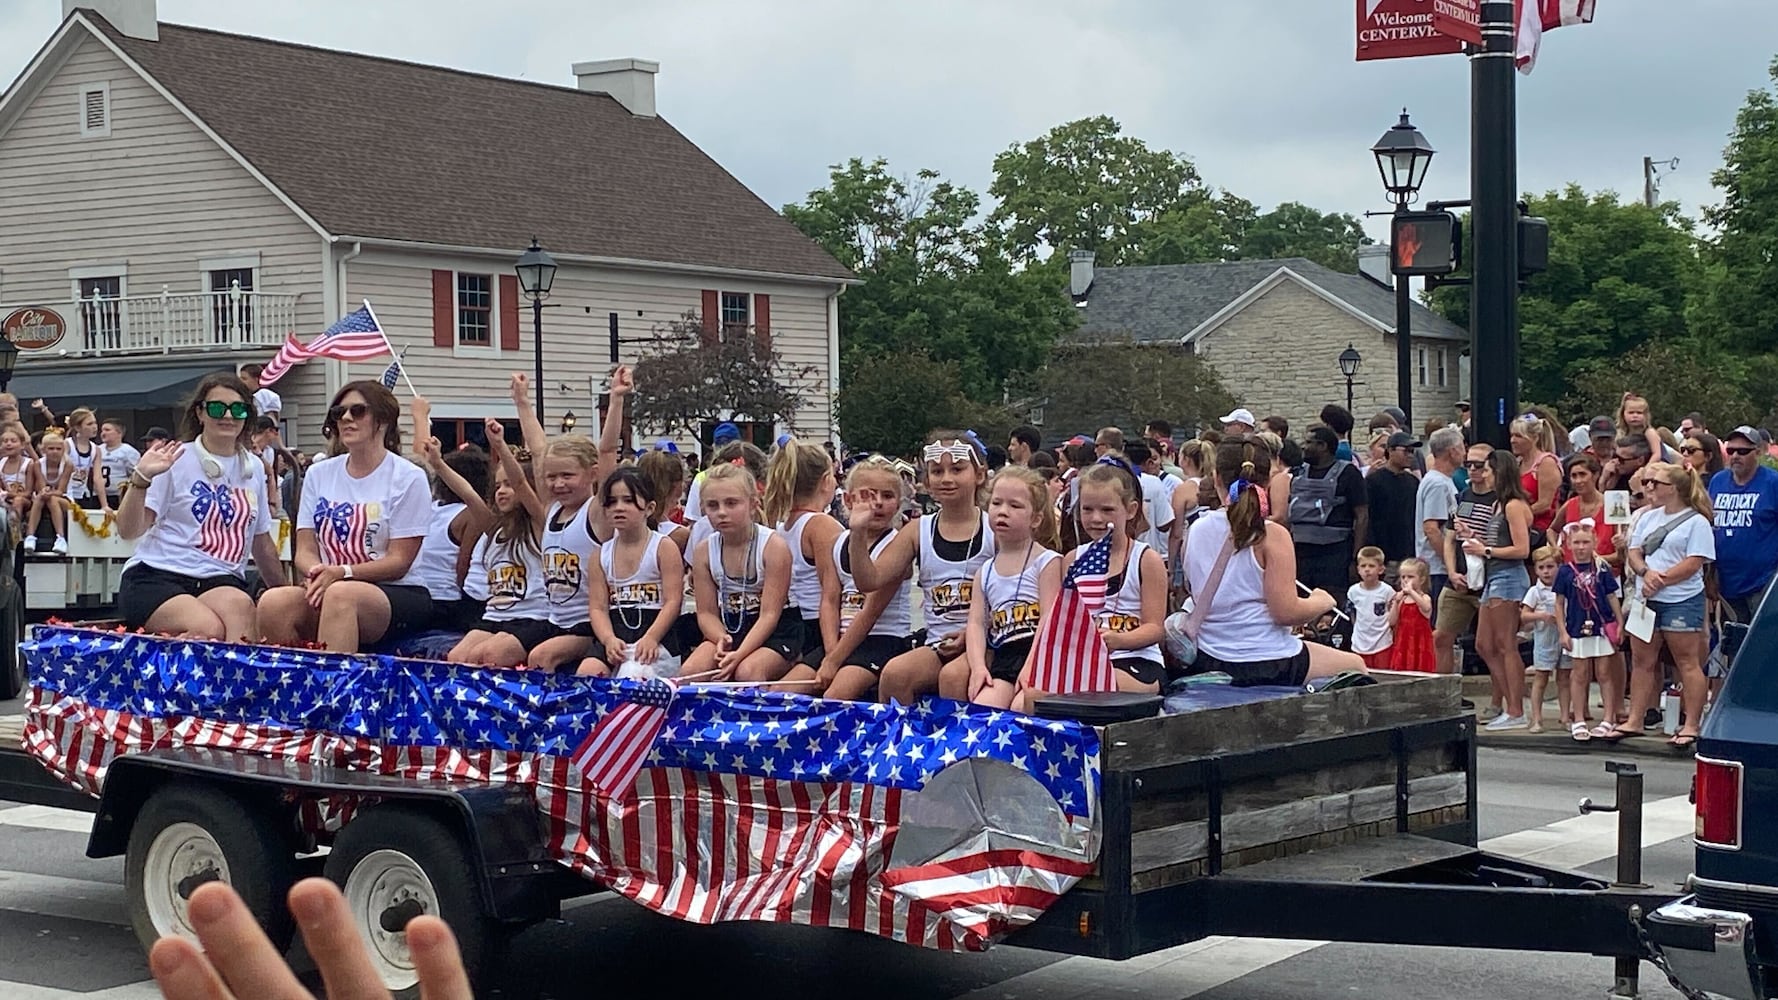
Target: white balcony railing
<point>169,322</point>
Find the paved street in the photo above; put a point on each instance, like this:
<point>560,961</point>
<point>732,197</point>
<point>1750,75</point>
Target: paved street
<point>64,933</point>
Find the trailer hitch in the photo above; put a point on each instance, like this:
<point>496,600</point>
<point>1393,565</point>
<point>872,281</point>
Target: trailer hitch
<point>1628,806</point>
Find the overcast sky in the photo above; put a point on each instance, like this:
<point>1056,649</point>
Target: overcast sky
<point>1265,96</point>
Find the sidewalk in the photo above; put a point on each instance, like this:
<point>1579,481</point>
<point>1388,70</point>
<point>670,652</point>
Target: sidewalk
<point>1555,739</point>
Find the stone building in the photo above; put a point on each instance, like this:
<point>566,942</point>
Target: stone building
<point>1274,330</point>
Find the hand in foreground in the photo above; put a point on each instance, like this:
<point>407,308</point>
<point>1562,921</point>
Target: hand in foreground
<point>238,961</point>
<point>622,381</point>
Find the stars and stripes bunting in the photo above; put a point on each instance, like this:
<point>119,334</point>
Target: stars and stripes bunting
<point>741,805</point>
<point>1069,654</point>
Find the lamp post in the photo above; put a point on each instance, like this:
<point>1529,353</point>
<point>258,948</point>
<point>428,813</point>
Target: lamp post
<point>1403,155</point>
<point>537,272</point>
<point>9,359</point>
<point>568,421</point>
<point>1349,359</point>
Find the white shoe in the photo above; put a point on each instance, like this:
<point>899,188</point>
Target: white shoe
<point>31,544</point>
<point>60,548</point>
<point>1505,722</point>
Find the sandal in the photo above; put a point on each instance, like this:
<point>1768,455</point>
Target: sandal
<point>1603,730</point>
<point>1683,741</point>
<point>1622,734</point>
<point>1579,732</point>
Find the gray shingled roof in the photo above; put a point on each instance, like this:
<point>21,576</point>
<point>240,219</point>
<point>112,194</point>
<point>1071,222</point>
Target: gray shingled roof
<point>1166,302</point>
<point>379,148</point>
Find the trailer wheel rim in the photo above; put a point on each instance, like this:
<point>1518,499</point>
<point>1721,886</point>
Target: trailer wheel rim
<point>178,854</point>
<point>383,879</point>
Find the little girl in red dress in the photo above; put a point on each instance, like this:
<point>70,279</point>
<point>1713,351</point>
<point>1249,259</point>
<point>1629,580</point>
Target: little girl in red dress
<point>1413,620</point>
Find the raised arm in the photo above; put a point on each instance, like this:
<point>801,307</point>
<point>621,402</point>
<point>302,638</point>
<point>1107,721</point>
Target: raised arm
<point>898,558</point>
<point>428,452</point>
<point>611,432</point>
<point>515,473</point>
<point>536,440</point>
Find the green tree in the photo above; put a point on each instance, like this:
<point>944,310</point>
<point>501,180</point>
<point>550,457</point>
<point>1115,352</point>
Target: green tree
<point>1740,301</point>
<point>1115,382</point>
<point>1677,378</point>
<point>1293,229</point>
<point>933,281</point>
<point>888,403</point>
<point>1085,185</point>
<point>687,377</point>
<point>1619,277</point>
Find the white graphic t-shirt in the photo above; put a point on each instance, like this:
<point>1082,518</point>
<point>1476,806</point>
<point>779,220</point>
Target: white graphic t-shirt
<point>355,519</point>
<point>204,525</point>
<point>115,465</point>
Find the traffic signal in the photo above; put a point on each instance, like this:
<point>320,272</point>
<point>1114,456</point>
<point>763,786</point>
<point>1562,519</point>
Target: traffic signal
<point>1424,243</point>
<point>1534,245</point>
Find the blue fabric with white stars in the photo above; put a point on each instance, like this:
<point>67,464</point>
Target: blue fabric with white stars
<point>401,702</point>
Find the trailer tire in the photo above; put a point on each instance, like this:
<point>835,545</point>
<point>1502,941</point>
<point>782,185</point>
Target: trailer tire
<point>12,632</point>
<point>395,857</point>
<point>186,835</point>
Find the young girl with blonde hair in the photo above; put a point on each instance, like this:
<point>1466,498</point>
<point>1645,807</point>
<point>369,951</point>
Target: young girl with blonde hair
<point>741,582</point>
<point>1011,592</point>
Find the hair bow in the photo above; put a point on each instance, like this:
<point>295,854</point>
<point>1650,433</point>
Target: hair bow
<point>219,496</point>
<point>337,514</point>
<point>1235,489</point>
<point>977,441</point>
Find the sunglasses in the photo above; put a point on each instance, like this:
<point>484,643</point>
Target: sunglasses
<point>1636,496</point>
<point>1475,465</point>
<point>1692,450</point>
<point>1740,451</point>
<point>216,409</point>
<point>356,411</point>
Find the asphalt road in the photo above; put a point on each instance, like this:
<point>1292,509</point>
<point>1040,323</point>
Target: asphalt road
<point>64,931</point>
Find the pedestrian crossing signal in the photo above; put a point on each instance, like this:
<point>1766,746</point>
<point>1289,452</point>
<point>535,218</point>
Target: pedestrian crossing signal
<point>1424,243</point>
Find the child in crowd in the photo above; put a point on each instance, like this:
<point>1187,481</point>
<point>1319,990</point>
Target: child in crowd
<point>1411,612</point>
<point>1592,620</point>
<point>1132,621</point>
<point>741,581</point>
<point>636,585</point>
<point>20,477</point>
<point>1011,590</point>
<point>1374,610</point>
<point>1633,421</point>
<point>1539,614</point>
<point>866,630</point>
<point>799,488</point>
<point>506,564</point>
<point>53,473</point>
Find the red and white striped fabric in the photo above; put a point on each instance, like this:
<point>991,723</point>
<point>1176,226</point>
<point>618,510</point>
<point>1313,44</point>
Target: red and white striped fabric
<point>1534,17</point>
<point>356,337</point>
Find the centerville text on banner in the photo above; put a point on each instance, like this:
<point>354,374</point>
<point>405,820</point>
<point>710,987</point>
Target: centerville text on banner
<point>1396,29</point>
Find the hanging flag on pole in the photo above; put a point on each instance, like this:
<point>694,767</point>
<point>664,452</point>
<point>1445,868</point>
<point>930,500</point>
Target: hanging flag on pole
<point>1538,16</point>
<point>357,337</point>
<point>1070,654</point>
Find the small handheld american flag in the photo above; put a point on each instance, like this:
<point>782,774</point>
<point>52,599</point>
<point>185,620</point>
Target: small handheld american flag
<point>391,374</point>
<point>356,337</point>
<point>612,754</point>
<point>1070,654</point>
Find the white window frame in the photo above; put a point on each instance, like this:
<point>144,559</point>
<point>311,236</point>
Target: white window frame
<point>229,262</point>
<point>1444,377</point>
<point>80,272</point>
<point>462,350</point>
<point>104,89</point>
<point>1422,364</point>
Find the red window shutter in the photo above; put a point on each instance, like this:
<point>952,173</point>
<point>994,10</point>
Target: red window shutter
<point>444,309</point>
<point>509,313</point>
<point>712,317</point>
<point>762,321</point>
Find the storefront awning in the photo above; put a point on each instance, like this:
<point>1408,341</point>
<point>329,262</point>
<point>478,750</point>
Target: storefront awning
<point>112,388</point>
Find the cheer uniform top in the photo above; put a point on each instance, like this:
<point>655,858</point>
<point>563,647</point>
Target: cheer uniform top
<point>49,479</point>
<point>947,575</point>
<point>17,482</point>
<point>890,635</point>
<point>1123,613</point>
<point>79,484</point>
<point>507,575</point>
<point>1013,607</point>
<point>567,550</point>
<point>805,584</point>
<point>435,568</point>
<point>637,600</point>
<point>738,598</point>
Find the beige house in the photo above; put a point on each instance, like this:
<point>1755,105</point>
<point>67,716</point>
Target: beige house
<point>1274,331</point>
<point>175,200</point>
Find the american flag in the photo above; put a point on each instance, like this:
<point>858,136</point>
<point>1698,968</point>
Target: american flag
<point>391,374</point>
<point>614,751</point>
<point>1534,17</point>
<point>749,805</point>
<point>1070,654</point>
<point>357,337</point>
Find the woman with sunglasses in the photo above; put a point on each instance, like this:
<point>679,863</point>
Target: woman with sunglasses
<point>359,527</point>
<point>1670,544</point>
<point>1503,546</point>
<point>197,511</point>
<point>1702,453</point>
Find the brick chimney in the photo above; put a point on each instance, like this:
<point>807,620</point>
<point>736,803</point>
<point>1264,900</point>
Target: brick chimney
<point>1080,274</point>
<point>1373,263</point>
<point>629,81</point>
<point>132,18</point>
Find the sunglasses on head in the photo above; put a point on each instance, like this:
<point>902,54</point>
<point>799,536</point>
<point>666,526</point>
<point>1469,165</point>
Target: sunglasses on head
<point>1740,451</point>
<point>216,409</point>
<point>356,411</point>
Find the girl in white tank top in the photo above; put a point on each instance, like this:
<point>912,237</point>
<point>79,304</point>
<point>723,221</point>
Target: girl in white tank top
<point>870,629</point>
<point>799,489</point>
<point>636,585</point>
<point>1013,588</point>
<point>506,568</point>
<point>741,580</point>
<point>1136,584</point>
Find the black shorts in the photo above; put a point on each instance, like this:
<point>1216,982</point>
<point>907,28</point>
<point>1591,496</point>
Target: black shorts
<point>143,589</point>
<point>786,640</point>
<point>631,633</point>
<point>449,616</point>
<point>410,609</point>
<point>877,650</point>
<point>814,647</point>
<point>1005,663</point>
<point>1145,671</point>
<point>1288,671</point>
<point>530,632</point>
<point>88,502</point>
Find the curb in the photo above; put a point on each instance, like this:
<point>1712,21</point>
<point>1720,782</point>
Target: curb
<point>1559,742</point>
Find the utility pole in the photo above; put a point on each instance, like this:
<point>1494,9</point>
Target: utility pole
<point>1648,181</point>
<point>1494,215</point>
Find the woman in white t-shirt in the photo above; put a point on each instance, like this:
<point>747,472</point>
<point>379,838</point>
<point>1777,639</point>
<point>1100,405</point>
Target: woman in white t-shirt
<point>197,511</point>
<point>359,525</point>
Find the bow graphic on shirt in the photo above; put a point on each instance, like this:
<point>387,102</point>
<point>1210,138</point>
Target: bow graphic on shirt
<point>338,513</point>
<point>218,495</point>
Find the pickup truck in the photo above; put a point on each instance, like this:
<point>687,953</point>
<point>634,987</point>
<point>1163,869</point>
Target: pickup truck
<point>1722,938</point>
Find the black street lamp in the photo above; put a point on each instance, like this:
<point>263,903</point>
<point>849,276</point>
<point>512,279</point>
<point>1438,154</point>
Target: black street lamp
<point>1403,156</point>
<point>537,272</point>
<point>568,421</point>
<point>1349,360</point>
<point>9,359</point>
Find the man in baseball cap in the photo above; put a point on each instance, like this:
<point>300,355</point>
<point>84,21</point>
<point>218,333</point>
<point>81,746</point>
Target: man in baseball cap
<point>1240,421</point>
<point>724,433</point>
<point>1744,497</point>
<point>156,435</point>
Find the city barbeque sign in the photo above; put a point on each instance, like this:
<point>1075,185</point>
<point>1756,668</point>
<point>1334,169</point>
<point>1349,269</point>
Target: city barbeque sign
<point>33,328</point>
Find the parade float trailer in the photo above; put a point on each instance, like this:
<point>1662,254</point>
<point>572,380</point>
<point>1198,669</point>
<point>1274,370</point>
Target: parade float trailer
<point>489,797</point>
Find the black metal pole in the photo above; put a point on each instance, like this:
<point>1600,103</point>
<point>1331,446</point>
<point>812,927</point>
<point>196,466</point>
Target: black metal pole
<point>1494,292</point>
<point>1404,345</point>
<point>1349,403</point>
<point>537,353</point>
<point>614,338</point>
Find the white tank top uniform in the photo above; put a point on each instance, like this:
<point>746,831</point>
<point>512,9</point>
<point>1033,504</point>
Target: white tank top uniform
<point>805,584</point>
<point>1123,613</point>
<point>567,550</point>
<point>738,598</point>
<point>1238,628</point>
<point>891,634</point>
<point>83,469</point>
<point>17,480</point>
<point>947,576</point>
<point>435,568</point>
<point>49,475</point>
<point>637,600</point>
<point>1014,611</point>
<point>507,576</point>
